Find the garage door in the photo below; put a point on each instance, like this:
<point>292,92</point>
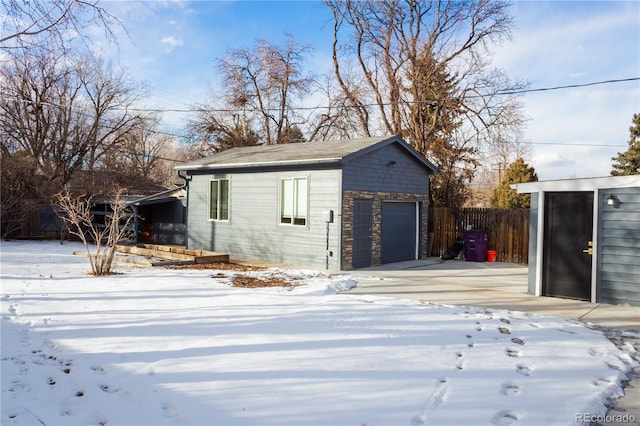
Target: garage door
<point>399,232</point>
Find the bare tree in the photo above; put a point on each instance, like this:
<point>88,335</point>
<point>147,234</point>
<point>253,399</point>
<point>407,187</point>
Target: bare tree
<point>51,24</point>
<point>334,121</point>
<point>261,88</point>
<point>420,69</point>
<point>146,155</point>
<point>63,112</point>
<point>75,212</point>
<point>108,95</point>
<point>399,52</point>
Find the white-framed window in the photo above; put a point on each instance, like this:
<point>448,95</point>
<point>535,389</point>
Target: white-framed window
<point>219,199</point>
<point>293,201</point>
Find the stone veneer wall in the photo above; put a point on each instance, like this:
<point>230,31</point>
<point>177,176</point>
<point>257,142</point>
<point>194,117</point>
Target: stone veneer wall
<point>378,198</point>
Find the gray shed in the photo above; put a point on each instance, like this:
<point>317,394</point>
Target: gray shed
<point>585,239</point>
<point>335,204</point>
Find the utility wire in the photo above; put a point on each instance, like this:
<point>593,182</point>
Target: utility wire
<point>569,86</point>
<point>577,144</point>
<point>193,110</point>
<point>423,101</point>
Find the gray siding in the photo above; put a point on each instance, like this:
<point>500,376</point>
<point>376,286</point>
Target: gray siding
<point>373,172</point>
<point>619,247</point>
<point>253,230</point>
<point>533,243</point>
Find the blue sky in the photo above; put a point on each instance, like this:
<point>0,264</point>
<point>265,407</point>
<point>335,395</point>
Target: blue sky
<point>173,46</point>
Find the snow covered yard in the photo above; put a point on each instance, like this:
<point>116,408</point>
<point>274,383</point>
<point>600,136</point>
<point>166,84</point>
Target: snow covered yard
<point>154,346</point>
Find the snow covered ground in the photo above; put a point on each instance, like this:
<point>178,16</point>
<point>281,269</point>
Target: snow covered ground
<point>154,346</point>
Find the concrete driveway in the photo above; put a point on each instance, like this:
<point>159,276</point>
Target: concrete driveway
<point>501,286</point>
<point>492,285</point>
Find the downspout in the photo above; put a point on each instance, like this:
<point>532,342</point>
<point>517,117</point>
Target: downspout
<point>185,178</point>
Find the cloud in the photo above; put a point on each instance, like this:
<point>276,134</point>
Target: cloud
<point>559,41</point>
<point>572,161</point>
<point>171,42</point>
<point>562,43</point>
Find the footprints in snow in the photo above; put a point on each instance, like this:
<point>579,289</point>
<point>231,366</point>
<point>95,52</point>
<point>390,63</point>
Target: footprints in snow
<point>504,418</point>
<point>502,329</point>
<point>438,396</point>
<point>170,410</point>
<point>509,388</point>
<point>15,309</point>
<point>513,352</point>
<point>523,369</point>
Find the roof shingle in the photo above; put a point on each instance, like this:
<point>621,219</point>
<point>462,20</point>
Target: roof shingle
<point>296,153</point>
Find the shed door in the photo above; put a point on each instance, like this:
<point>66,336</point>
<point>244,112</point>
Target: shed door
<point>568,230</point>
<point>362,225</point>
<point>399,232</point>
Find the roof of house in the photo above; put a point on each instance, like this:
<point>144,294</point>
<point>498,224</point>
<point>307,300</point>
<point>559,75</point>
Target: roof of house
<point>309,153</point>
<point>164,196</point>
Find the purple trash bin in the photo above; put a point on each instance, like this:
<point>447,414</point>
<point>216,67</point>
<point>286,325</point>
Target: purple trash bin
<point>475,246</point>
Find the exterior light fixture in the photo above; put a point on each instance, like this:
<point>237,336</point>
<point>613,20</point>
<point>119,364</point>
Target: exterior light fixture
<point>393,164</point>
<point>611,200</point>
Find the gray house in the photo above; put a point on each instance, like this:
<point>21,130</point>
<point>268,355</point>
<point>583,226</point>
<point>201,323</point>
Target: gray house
<point>335,205</point>
<point>585,239</point>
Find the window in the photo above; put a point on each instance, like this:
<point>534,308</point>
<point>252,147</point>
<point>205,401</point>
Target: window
<point>293,201</point>
<point>219,199</point>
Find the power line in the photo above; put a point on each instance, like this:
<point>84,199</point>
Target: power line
<point>569,86</point>
<point>577,144</point>
<point>424,101</point>
<point>193,110</point>
<point>302,108</point>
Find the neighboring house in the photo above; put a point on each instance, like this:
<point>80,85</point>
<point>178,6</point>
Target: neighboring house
<point>161,218</point>
<point>158,218</point>
<point>335,205</point>
<point>585,239</point>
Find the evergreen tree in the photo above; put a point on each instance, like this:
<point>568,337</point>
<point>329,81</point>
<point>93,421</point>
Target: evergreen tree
<point>507,198</point>
<point>434,131</point>
<point>628,162</point>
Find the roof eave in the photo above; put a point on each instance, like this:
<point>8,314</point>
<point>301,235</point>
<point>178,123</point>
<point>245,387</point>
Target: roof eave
<point>579,184</point>
<point>214,166</point>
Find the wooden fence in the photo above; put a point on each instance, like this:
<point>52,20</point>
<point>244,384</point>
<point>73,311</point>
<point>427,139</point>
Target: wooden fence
<point>507,229</point>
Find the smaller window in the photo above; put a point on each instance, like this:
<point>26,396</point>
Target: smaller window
<point>293,201</point>
<point>219,199</point>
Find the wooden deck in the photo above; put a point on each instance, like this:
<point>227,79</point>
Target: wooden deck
<point>173,254</point>
<point>157,255</point>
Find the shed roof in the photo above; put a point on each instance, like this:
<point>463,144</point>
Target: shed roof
<point>311,153</point>
<point>581,184</point>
